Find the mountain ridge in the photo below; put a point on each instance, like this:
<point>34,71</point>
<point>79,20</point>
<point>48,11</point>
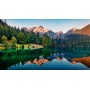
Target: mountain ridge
<point>57,35</point>
<point>83,31</point>
<point>41,30</point>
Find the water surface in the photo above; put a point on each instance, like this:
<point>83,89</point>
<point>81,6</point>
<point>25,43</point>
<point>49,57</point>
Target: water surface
<point>45,59</point>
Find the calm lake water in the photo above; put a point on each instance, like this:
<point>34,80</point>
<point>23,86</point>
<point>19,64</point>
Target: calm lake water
<point>43,59</point>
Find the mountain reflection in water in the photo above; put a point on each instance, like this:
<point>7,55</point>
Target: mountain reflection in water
<point>43,59</point>
<point>84,60</point>
<point>51,65</point>
<point>57,63</point>
<point>40,61</point>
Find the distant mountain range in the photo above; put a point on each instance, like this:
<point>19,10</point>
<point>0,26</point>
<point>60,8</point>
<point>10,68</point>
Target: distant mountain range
<point>58,35</point>
<point>84,31</point>
<point>73,37</point>
<point>41,30</point>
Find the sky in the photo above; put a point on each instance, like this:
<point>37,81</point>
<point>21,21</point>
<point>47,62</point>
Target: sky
<point>50,24</point>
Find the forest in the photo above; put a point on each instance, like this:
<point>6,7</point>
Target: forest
<point>11,36</point>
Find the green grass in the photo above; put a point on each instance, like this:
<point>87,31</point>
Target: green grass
<point>26,46</point>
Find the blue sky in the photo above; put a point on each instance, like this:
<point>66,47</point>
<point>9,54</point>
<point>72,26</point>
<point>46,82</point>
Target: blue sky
<point>51,24</point>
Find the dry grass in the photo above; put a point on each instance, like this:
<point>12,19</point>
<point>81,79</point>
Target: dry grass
<point>31,46</point>
<point>1,48</point>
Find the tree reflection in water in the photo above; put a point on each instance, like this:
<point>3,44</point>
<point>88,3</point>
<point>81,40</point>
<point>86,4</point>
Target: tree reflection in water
<point>41,56</point>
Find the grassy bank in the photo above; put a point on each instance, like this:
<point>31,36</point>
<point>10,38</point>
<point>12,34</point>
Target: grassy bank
<point>26,46</point>
<point>31,46</point>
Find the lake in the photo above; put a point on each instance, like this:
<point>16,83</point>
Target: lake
<point>46,59</point>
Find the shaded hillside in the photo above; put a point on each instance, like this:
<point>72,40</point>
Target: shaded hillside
<point>77,38</point>
<point>83,31</point>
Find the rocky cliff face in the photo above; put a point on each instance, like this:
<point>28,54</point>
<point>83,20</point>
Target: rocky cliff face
<point>41,30</point>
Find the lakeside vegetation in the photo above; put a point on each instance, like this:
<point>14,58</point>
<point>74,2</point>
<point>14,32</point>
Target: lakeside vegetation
<point>12,37</point>
<point>26,46</point>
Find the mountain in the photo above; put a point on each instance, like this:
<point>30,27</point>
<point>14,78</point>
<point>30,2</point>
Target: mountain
<point>41,30</point>
<point>73,37</point>
<point>59,32</point>
<point>83,31</point>
<point>58,35</point>
<point>51,34</point>
<point>77,37</point>
<point>70,31</point>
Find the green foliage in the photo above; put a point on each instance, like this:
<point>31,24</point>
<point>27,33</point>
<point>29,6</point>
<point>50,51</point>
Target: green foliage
<point>22,36</point>
<point>12,56</point>
<point>22,46</point>
<point>14,42</point>
<point>76,40</point>
<point>4,41</point>
<point>47,41</point>
<point>47,51</point>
